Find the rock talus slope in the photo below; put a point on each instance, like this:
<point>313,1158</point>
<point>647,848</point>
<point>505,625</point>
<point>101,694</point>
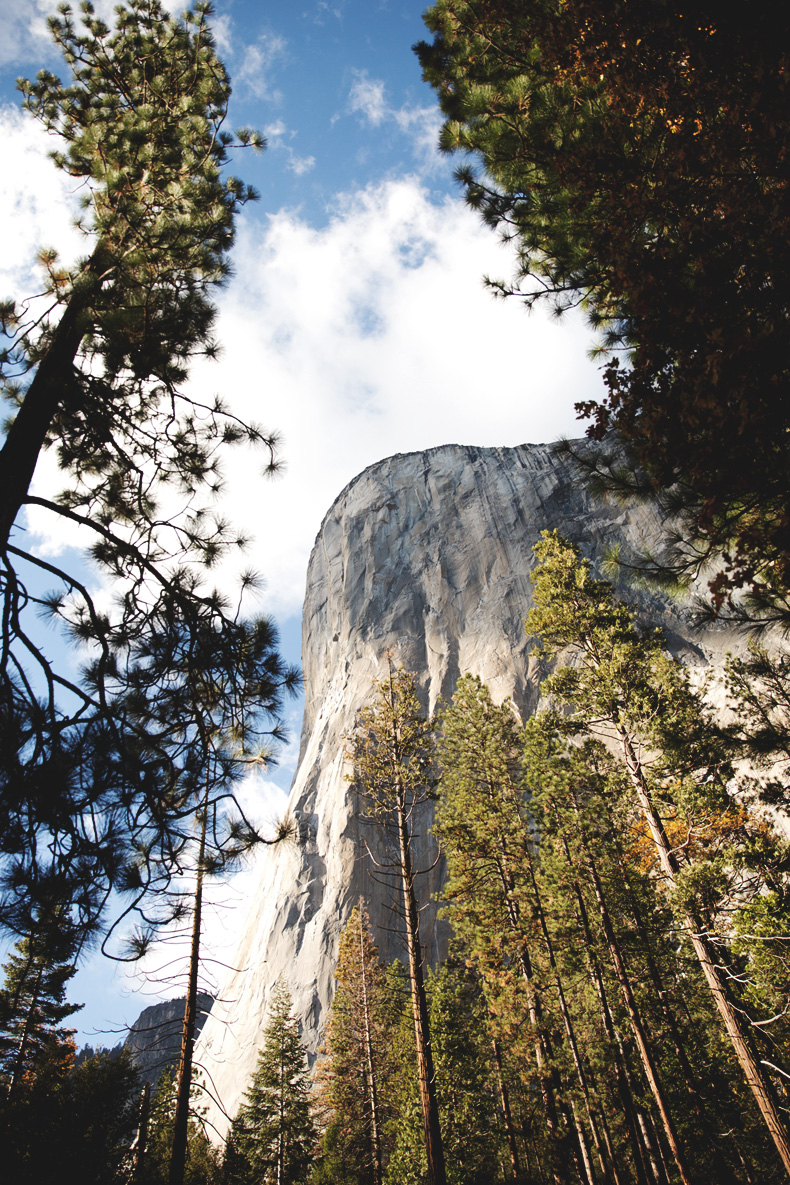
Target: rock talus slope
<point>427,555</point>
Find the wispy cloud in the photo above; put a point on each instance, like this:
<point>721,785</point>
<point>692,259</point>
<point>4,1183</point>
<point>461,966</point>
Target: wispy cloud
<point>257,66</point>
<point>324,10</point>
<point>278,138</point>
<point>367,99</point>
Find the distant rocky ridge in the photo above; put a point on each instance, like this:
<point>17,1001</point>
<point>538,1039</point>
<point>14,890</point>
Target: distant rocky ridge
<point>155,1037</point>
<point>426,555</point>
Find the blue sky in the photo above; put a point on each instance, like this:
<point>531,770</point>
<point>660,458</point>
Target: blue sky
<point>356,322</point>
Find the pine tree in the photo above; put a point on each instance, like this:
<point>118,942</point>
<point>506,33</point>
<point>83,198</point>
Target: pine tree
<point>91,785</point>
<point>622,684</point>
<point>485,831</point>
<point>632,154</point>
<point>33,1001</point>
<point>355,1079</point>
<point>392,751</point>
<point>471,1128</point>
<point>273,1135</point>
<point>201,1166</point>
<point>616,935</point>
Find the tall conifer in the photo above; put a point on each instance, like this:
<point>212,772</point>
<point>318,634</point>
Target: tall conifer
<point>622,685</point>
<point>355,1078</point>
<point>392,754</point>
<point>273,1136</point>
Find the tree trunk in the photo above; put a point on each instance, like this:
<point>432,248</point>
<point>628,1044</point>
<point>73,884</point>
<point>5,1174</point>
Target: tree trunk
<point>569,1029</point>
<point>21,1050</point>
<point>510,1131</point>
<point>726,1174</point>
<point>542,1045</point>
<point>425,1068</point>
<point>706,954</point>
<point>623,1090</point>
<point>141,1145</point>
<point>651,1070</point>
<point>49,387</point>
<point>178,1154</point>
<point>372,1092</point>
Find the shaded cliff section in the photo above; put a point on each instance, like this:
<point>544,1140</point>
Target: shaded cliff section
<point>428,556</point>
<point>154,1039</point>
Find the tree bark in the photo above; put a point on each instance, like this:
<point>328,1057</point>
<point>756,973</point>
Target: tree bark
<point>425,1068</point>
<point>181,1122</point>
<point>141,1146</point>
<point>706,954</point>
<point>623,1090</point>
<point>542,1045</point>
<point>510,1131</point>
<point>650,1068</point>
<point>372,1091</point>
<point>28,432</point>
<point>570,1031</point>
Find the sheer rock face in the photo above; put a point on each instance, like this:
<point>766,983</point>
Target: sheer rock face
<point>155,1037</point>
<point>426,555</point>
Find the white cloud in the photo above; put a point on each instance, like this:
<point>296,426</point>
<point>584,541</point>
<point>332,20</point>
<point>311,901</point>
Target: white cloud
<point>278,136</point>
<point>38,205</point>
<point>368,99</point>
<point>25,33</point>
<point>257,65</point>
<point>375,336</point>
<point>370,336</point>
<point>300,165</point>
<point>25,36</point>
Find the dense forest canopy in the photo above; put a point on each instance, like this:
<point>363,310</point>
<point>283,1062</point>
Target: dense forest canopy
<point>636,154</point>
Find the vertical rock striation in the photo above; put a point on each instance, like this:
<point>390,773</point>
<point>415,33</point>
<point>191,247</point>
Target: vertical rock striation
<point>427,555</point>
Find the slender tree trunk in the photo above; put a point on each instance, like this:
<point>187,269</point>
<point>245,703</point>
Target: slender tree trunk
<point>181,1123</point>
<point>372,1092</point>
<point>653,1153</point>
<point>28,432</point>
<point>651,1070</point>
<point>142,1133</point>
<point>584,1147</point>
<point>425,1068</point>
<point>504,1097</point>
<point>542,1045</point>
<point>708,960</point>
<point>281,1126</point>
<point>623,1090</point>
<point>21,1049</point>
<point>570,1031</point>
<point>726,1174</point>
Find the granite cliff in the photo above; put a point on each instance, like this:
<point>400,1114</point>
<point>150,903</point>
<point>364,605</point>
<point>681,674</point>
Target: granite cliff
<point>154,1039</point>
<point>427,555</point>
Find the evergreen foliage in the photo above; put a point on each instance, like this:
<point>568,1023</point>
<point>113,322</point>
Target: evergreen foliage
<point>33,1001</point>
<point>710,852</point>
<point>634,154</point>
<point>202,1166</point>
<point>559,903</point>
<point>67,1116</point>
<point>273,1137</point>
<point>355,1078</point>
<point>391,751</point>
<point>98,772</point>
